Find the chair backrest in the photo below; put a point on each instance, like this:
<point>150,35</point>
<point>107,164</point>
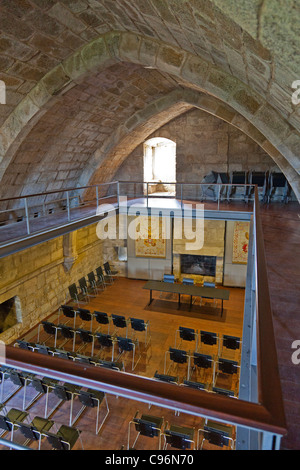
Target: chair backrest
<point>5,424</point>
<point>107,267</point>
<point>101,317</point>
<point>105,340</point>
<point>166,378</point>
<point>85,335</point>
<point>49,327</point>
<point>187,334</point>
<point>99,272</point>
<point>196,385</point>
<point>16,378</point>
<point>203,360</point>
<point>111,365</point>
<point>29,431</point>
<point>125,344</point>
<point>119,321</point>
<point>215,436</point>
<point>24,344</point>
<point>62,354</point>
<point>178,440</point>
<point>66,331</point>
<point>73,291</point>
<point>231,342</point>
<point>227,366</point>
<point>138,324</point>
<point>57,442</point>
<point>62,392</point>
<point>84,314</point>
<point>42,349</point>
<point>169,278</point>
<point>209,284</point>
<point>208,338</point>
<point>68,311</point>
<point>223,391</point>
<point>91,277</point>
<point>177,355</point>
<point>88,398</point>
<point>239,177</point>
<point>187,281</point>
<point>39,385</point>
<point>82,284</point>
<point>146,428</point>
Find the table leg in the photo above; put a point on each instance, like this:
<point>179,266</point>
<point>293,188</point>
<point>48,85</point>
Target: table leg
<point>150,297</point>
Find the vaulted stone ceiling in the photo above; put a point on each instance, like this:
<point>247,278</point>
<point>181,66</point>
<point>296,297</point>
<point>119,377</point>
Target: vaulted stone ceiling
<point>78,87</point>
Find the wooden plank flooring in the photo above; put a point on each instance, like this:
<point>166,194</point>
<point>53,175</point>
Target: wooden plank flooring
<point>126,297</point>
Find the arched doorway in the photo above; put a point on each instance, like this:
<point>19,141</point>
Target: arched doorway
<point>160,166</point>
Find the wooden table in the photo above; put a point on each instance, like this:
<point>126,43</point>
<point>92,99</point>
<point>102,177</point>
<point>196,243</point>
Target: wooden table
<point>184,289</point>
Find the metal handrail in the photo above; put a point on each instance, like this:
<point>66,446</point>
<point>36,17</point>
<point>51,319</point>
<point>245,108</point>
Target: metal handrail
<point>267,415</point>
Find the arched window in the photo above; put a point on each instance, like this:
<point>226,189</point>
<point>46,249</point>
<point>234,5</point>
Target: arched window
<point>160,164</point>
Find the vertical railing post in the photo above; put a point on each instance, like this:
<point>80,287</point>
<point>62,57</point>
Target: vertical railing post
<point>27,215</point>
<point>147,193</point>
<point>219,192</point>
<point>181,204</point>
<point>118,193</point>
<point>68,206</point>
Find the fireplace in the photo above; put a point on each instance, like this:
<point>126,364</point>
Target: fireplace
<point>198,265</point>
<point>8,314</point>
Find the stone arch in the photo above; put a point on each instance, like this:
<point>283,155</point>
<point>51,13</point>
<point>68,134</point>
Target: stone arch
<point>282,140</point>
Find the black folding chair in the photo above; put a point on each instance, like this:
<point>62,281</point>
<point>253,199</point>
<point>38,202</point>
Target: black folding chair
<point>86,316</point>
<point>94,399</point>
<point>96,285</point>
<point>8,422</point>
<point>106,341</point>
<point>142,326</point>
<point>119,321</point>
<point>128,345</point>
<point>101,277</point>
<point>68,334</point>
<point>177,356</point>
<point>69,312</point>
<point>85,290</point>
<point>146,425</point>
<point>186,334</point>
<point>51,329</point>
<point>34,430</point>
<point>75,295</point>
<point>206,365</point>
<point>179,437</point>
<point>87,337</point>
<point>65,438</point>
<point>102,318</point>
<point>167,378</point>
<point>109,272</point>
<point>216,434</point>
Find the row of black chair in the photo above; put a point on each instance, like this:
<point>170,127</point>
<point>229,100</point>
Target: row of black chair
<point>14,420</point>
<point>96,281</point>
<point>208,387</point>
<point>204,364</point>
<point>64,391</point>
<point>271,185</point>
<point>74,356</point>
<point>180,437</point>
<point>102,318</point>
<point>207,339</point>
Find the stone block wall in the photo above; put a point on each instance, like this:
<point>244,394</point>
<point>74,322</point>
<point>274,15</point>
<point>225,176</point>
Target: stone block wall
<point>204,143</point>
<point>39,276</point>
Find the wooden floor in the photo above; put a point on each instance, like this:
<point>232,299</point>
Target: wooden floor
<point>127,297</point>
